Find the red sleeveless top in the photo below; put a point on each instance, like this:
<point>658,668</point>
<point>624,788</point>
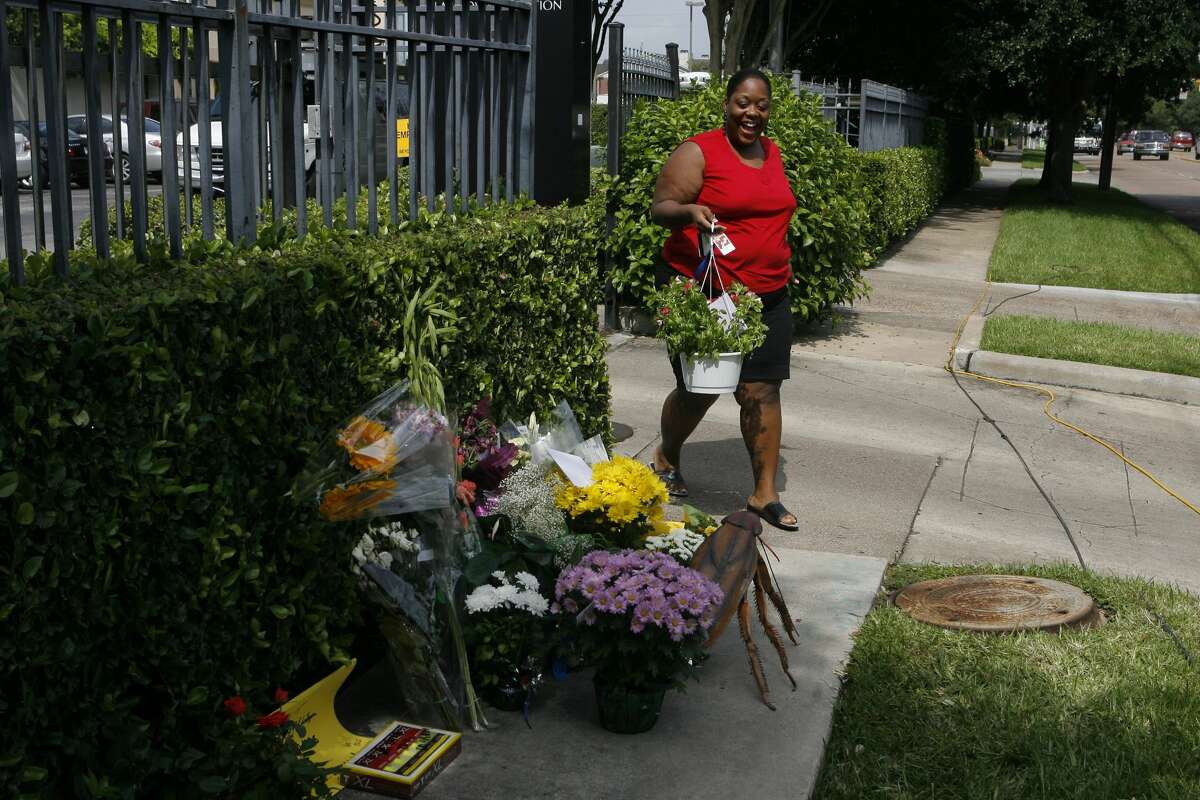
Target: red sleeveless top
<point>754,205</point>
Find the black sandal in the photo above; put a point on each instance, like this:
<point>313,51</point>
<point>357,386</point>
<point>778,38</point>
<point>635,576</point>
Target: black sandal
<point>671,476</point>
<point>774,512</point>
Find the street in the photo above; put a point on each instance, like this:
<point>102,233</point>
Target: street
<point>81,203</point>
<point>1172,185</point>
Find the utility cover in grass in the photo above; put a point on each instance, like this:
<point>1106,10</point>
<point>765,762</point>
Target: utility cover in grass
<point>999,604</point>
<point>1110,712</point>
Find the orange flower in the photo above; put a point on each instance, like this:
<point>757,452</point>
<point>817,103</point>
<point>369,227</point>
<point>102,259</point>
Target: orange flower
<point>368,444</point>
<point>351,502</point>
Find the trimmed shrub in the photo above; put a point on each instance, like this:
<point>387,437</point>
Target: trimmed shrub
<point>828,231</point>
<point>152,420</point>
<point>903,186</point>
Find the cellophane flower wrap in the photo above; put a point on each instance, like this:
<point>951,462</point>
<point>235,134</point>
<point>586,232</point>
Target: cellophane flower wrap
<point>691,327</point>
<point>392,457</point>
<point>392,465</point>
<point>641,616</point>
<point>622,506</point>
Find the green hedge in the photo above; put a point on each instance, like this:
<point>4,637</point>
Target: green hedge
<point>152,419</point>
<point>903,186</point>
<point>851,205</point>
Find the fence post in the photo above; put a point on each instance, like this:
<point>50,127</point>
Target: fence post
<point>673,57</point>
<point>56,135</point>
<point>238,142</point>
<point>8,164</point>
<point>616,90</point>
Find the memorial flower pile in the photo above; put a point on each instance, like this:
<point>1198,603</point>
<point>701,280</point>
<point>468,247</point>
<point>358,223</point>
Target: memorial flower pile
<point>641,615</point>
<point>623,504</point>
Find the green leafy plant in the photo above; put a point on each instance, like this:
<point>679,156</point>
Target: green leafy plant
<point>692,328</point>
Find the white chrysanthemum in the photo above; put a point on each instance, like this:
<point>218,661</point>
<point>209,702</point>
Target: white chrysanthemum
<point>535,604</point>
<point>358,555</point>
<point>482,599</point>
<point>500,576</point>
<point>680,543</point>
<point>385,560</point>
<point>527,581</point>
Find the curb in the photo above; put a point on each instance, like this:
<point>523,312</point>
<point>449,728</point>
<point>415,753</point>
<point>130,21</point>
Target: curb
<point>1080,375</point>
<point>1083,292</point>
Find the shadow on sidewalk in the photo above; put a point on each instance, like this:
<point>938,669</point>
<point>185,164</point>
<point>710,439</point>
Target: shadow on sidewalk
<point>719,476</point>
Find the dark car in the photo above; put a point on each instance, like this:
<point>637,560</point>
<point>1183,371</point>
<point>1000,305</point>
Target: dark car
<point>1151,144</point>
<point>76,156</point>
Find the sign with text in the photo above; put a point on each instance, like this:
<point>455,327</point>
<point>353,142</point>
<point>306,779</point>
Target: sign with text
<point>402,140</point>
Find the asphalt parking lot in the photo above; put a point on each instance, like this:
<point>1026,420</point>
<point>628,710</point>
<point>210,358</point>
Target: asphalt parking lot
<point>81,209</point>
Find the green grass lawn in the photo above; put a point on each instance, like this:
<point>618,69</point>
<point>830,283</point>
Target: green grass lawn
<point>1036,159</point>
<point>1094,343</point>
<point>1103,240</point>
<point>1108,713</point>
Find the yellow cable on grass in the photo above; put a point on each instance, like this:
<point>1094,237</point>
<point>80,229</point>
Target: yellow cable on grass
<point>1050,398</point>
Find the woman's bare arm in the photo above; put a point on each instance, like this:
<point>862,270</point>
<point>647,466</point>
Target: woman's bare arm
<point>678,187</point>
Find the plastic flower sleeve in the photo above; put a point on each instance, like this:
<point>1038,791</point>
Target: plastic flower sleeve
<point>561,433</point>
<point>392,457</point>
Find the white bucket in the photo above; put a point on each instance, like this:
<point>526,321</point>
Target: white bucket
<point>712,376</point>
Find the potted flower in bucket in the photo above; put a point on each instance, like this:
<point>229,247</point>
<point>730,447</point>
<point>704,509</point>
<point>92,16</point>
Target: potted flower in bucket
<point>710,337</point>
<point>642,619</point>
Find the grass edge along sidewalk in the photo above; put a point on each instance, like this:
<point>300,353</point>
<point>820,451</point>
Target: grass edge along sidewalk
<point>1103,240</point>
<point>1093,343</point>
<point>1112,712</point>
<point>1036,159</point>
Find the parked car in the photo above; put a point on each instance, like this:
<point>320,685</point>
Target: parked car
<point>1087,144</point>
<point>1182,140</point>
<point>153,137</point>
<point>1151,143</point>
<point>1125,143</point>
<point>24,157</point>
<point>76,156</point>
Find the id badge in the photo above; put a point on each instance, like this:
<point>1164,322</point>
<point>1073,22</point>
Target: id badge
<point>722,244</point>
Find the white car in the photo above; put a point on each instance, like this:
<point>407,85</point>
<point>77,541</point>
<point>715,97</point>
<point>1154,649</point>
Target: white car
<point>153,137</point>
<point>1087,144</point>
<point>24,155</point>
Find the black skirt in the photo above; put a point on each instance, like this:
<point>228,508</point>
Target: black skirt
<point>772,361</point>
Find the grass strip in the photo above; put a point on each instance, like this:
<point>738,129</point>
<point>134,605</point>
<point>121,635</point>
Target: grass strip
<point>1036,159</point>
<point>1094,343</point>
<point>1103,240</point>
<point>1108,713</point>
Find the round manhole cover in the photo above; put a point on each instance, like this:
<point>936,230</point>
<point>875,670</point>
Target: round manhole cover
<point>998,603</point>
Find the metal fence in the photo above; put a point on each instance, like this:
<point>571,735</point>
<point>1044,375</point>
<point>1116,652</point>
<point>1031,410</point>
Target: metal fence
<point>635,75</point>
<point>310,100</point>
<point>869,115</point>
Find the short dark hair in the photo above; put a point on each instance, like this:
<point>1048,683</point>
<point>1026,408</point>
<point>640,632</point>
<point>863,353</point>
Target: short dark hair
<point>745,74</point>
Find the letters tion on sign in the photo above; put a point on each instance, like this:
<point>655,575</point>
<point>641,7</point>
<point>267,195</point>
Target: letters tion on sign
<point>402,138</point>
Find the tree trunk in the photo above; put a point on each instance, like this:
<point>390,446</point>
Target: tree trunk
<point>714,13</point>
<point>1064,153</point>
<point>1110,138</point>
<point>775,36</point>
<point>1051,137</point>
<point>735,34</point>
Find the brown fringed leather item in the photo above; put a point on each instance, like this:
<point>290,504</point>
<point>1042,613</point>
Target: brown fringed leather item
<point>734,557</point>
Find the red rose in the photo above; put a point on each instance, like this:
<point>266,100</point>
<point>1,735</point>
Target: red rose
<point>272,720</point>
<point>735,299</point>
<point>664,311</point>
<point>235,705</point>
<point>281,696</point>
<point>465,492</point>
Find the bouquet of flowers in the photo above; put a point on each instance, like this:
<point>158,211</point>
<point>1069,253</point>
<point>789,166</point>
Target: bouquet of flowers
<point>484,458</point>
<point>506,632</point>
<point>623,504</point>
<point>692,327</point>
<point>642,617</point>
<point>393,457</point>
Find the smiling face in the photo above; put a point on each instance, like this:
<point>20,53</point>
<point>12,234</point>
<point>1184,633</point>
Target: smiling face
<point>746,112</point>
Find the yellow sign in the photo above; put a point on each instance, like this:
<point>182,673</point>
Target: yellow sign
<point>402,138</point>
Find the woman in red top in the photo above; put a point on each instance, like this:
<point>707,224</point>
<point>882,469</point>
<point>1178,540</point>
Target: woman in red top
<point>731,180</point>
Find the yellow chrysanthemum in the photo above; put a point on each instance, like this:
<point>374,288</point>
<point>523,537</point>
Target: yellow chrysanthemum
<point>622,490</point>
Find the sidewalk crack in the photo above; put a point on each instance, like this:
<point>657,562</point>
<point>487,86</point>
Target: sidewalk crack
<point>962,486</point>
<point>1129,491</point>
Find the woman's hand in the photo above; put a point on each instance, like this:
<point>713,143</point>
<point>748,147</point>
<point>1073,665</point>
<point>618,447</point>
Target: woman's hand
<point>703,218</point>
